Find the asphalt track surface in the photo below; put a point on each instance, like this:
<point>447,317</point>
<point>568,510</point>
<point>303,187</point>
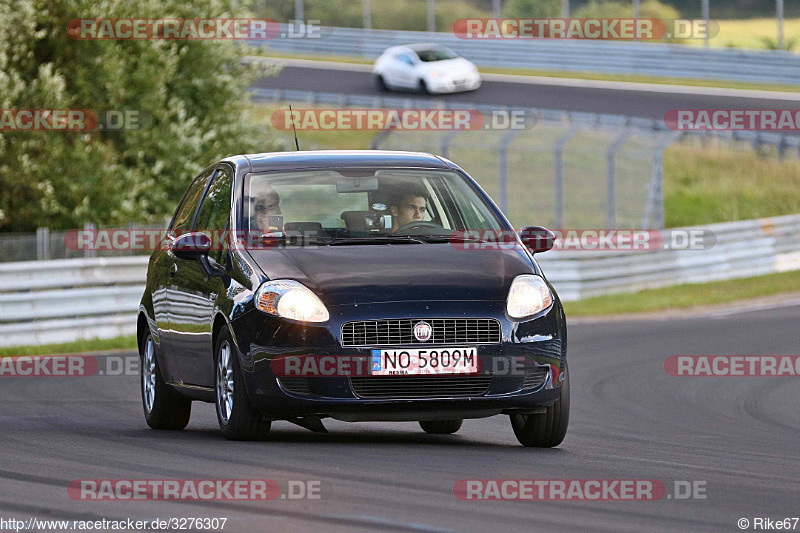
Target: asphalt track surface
<point>586,98</point>
<point>630,420</point>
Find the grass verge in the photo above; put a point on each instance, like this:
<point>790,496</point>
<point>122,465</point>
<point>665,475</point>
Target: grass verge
<point>80,346</point>
<point>685,296</point>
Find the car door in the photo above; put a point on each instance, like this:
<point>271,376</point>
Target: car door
<point>403,72</point>
<point>194,293</point>
<point>181,223</point>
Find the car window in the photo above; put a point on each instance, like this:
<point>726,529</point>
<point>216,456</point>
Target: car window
<point>216,205</point>
<point>212,217</point>
<point>184,216</point>
<point>365,203</point>
<point>405,58</point>
<point>435,54</point>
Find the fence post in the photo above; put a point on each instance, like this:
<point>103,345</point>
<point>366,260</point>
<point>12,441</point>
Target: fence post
<point>89,252</point>
<point>503,170</point>
<point>446,140</point>
<point>655,197</point>
<point>42,244</point>
<point>366,12</point>
<point>558,153</point>
<point>611,193</point>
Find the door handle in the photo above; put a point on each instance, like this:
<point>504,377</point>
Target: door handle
<point>173,270</point>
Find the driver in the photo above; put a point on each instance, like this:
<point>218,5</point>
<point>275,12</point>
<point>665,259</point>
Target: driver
<point>409,205</point>
<point>265,203</point>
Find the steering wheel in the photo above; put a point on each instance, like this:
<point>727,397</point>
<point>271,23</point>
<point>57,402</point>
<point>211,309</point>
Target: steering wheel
<point>418,225</point>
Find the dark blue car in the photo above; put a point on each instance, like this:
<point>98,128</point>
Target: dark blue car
<point>355,285</point>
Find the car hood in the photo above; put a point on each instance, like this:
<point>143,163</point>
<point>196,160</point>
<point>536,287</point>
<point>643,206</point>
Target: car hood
<point>457,66</point>
<point>344,275</point>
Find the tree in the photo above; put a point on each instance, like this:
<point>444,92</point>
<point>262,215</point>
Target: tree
<point>191,95</point>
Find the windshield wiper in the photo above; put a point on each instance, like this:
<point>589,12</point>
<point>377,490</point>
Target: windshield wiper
<point>383,239</point>
<point>456,238</point>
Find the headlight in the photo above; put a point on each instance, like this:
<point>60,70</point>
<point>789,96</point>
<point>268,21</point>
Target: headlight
<point>528,295</point>
<point>433,74</point>
<point>290,299</point>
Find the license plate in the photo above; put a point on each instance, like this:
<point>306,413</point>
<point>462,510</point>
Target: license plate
<point>424,361</point>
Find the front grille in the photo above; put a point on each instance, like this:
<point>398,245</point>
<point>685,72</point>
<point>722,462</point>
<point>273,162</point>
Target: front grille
<point>535,376</point>
<point>421,386</point>
<point>401,331</point>
<point>298,385</point>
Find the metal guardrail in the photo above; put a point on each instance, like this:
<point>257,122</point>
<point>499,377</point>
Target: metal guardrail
<point>59,301</point>
<point>651,59</point>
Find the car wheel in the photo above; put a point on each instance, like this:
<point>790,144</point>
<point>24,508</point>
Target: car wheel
<point>381,84</point>
<point>441,427</point>
<point>163,409</point>
<point>422,87</point>
<point>237,419</point>
<point>545,430</point>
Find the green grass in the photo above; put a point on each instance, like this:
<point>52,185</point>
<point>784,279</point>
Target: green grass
<point>751,33</point>
<point>80,346</point>
<point>685,296</point>
<point>704,185</point>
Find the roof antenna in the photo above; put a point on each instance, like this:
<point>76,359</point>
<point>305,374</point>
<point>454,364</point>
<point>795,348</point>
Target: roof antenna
<point>291,115</point>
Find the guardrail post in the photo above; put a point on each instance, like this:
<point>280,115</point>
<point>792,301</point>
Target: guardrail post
<point>559,171</point>
<point>503,164</point>
<point>89,252</point>
<point>42,244</point>
<point>655,197</point>
<point>611,194</point>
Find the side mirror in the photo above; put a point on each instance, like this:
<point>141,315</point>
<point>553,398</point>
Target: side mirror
<point>192,245</point>
<point>537,239</point>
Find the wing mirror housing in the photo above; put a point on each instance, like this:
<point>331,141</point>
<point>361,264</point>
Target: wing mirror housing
<point>191,245</point>
<point>537,239</point>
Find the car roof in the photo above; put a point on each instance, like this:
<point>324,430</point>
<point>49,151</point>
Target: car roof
<point>272,161</point>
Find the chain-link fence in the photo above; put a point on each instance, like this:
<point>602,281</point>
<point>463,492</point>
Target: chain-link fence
<point>46,244</point>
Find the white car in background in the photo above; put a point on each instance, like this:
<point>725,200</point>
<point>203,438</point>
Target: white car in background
<point>427,68</point>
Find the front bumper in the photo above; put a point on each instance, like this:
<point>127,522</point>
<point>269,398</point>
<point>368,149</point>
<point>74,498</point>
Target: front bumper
<point>538,345</point>
<point>451,85</point>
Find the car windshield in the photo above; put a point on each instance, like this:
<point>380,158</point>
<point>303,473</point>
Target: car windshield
<point>435,54</point>
<point>364,206</point>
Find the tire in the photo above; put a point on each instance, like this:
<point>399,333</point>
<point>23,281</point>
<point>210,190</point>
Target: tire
<point>380,84</point>
<point>441,427</point>
<point>545,430</point>
<point>422,87</point>
<point>237,418</point>
<point>163,409</point>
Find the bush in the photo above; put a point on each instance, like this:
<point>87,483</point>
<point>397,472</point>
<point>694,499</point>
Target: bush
<point>532,9</point>
<point>194,92</point>
<point>613,9</point>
